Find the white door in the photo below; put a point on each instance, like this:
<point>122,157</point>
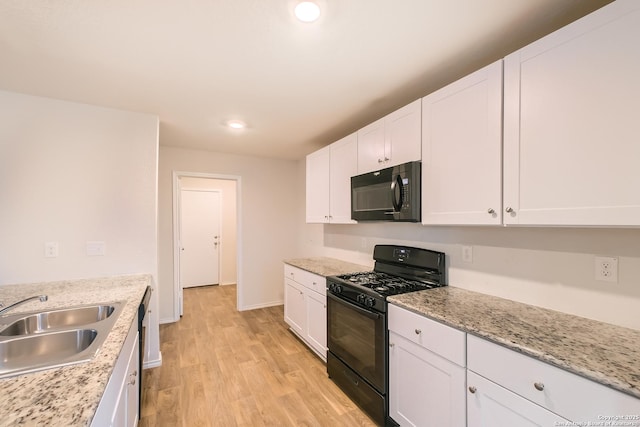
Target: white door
<point>199,238</point>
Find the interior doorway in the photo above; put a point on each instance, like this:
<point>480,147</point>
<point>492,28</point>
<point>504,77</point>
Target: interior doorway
<point>200,243</point>
<point>193,200</point>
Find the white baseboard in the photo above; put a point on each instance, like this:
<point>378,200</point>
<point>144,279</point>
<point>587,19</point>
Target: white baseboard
<point>153,363</point>
<point>167,320</point>
<point>265,305</point>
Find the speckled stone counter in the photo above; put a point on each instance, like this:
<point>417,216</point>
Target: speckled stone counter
<point>69,396</point>
<point>599,351</point>
<point>326,266</point>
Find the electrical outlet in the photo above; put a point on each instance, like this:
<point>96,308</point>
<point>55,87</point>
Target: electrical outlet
<point>606,269</point>
<point>50,249</point>
<point>467,254</point>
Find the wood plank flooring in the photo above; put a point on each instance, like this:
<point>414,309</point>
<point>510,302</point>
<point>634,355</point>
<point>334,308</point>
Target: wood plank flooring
<point>222,367</point>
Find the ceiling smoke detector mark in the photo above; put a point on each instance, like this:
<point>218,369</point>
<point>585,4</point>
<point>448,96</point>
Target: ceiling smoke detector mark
<point>606,269</point>
<point>467,254</point>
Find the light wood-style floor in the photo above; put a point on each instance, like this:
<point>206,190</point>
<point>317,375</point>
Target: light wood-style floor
<point>221,367</point>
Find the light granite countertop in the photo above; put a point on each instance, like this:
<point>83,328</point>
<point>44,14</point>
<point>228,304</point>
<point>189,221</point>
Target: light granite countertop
<point>69,395</point>
<point>326,266</point>
<point>604,353</point>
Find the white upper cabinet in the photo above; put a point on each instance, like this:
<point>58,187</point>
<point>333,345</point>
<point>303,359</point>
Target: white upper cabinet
<point>318,185</point>
<point>329,172</point>
<point>392,140</point>
<point>344,165</point>
<point>572,124</point>
<point>462,150</point>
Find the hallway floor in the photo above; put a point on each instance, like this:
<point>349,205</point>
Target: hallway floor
<point>221,367</point>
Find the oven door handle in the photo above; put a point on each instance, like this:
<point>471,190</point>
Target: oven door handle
<point>367,313</point>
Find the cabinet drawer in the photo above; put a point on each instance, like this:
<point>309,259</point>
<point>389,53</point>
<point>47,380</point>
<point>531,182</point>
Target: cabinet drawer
<point>312,281</point>
<point>434,336</point>
<point>573,397</point>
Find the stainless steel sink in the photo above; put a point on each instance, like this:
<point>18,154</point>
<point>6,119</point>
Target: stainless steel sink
<point>39,322</point>
<point>46,339</point>
<point>30,353</point>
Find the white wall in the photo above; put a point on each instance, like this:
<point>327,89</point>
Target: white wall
<point>268,203</point>
<point>228,226</point>
<point>548,267</point>
<point>73,173</point>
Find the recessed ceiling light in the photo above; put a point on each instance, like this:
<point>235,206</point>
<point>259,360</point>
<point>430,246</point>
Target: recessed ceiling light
<point>307,11</point>
<point>236,124</point>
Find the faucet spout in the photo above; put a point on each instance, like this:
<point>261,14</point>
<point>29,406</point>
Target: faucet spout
<point>42,298</point>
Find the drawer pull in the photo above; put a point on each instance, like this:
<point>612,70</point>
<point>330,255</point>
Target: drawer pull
<point>391,344</point>
<point>538,386</point>
<point>418,331</point>
<point>472,389</point>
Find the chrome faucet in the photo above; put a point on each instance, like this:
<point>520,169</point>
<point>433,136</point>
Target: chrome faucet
<point>42,298</point>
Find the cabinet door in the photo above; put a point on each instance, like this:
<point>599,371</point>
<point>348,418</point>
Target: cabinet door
<point>317,185</point>
<point>403,129</point>
<point>132,389</point>
<point>294,306</point>
<point>488,404</point>
<point>371,152</point>
<point>462,150</point>
<point>317,322</point>
<point>424,389</point>
<point>571,123</point>
<point>344,165</point>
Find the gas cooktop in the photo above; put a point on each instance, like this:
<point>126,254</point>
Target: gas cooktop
<point>386,284</point>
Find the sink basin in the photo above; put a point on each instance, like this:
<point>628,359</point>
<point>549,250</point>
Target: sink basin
<point>56,319</point>
<point>33,352</point>
<point>52,338</point>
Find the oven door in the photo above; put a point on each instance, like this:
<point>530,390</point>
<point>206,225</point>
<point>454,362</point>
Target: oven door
<point>357,337</point>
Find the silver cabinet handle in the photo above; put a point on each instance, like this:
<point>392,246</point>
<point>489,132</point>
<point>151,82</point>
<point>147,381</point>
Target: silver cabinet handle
<point>391,344</point>
<point>418,331</point>
<point>538,386</point>
<point>380,160</point>
<point>490,211</point>
<point>386,159</point>
<point>472,389</point>
<point>509,210</point>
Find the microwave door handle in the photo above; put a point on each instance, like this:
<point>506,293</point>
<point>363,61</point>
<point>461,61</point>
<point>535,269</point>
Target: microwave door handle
<point>397,201</point>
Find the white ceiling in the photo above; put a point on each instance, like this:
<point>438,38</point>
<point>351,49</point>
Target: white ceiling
<point>197,63</point>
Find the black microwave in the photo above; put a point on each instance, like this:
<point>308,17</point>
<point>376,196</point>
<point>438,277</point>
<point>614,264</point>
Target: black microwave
<point>391,194</point>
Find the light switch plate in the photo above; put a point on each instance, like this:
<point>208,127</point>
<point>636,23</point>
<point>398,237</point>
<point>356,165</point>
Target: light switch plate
<point>96,248</point>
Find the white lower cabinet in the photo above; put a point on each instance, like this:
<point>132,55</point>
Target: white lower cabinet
<point>305,307</point>
<point>489,404</point>
<point>507,388</point>
<point>119,405</point>
<point>294,307</point>
<point>430,386</point>
<point>426,371</point>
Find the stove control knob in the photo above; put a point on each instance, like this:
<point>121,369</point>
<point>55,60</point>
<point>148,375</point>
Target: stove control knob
<point>361,298</point>
<point>369,302</point>
<point>337,289</point>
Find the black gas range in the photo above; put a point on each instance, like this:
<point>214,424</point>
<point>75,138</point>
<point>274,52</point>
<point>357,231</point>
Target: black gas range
<point>357,334</point>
